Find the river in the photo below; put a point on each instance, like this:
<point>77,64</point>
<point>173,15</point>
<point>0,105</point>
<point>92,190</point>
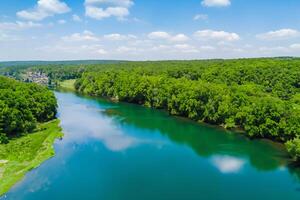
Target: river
<point>119,151</point>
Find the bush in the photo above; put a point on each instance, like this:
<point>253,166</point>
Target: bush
<point>3,138</point>
<point>293,147</point>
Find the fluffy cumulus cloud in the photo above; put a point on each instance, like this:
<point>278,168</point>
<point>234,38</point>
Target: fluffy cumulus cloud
<point>100,9</point>
<point>44,9</point>
<point>80,37</point>
<point>216,3</point>
<point>221,36</point>
<point>161,35</point>
<point>281,34</point>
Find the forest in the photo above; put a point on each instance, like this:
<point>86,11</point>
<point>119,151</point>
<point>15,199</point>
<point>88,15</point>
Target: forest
<point>22,107</point>
<point>260,97</point>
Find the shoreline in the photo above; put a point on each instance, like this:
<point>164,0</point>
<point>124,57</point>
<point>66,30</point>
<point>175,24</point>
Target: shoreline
<point>14,167</point>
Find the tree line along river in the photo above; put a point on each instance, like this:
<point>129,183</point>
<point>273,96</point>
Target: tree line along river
<point>124,151</point>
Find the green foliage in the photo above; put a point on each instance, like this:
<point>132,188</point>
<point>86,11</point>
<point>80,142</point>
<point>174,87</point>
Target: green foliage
<point>259,96</point>
<point>293,147</point>
<point>22,106</point>
<point>3,138</point>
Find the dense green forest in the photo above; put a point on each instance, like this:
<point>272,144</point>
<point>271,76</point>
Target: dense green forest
<point>22,106</point>
<point>258,96</point>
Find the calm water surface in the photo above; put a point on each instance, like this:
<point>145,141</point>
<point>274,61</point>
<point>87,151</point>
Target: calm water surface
<point>127,152</point>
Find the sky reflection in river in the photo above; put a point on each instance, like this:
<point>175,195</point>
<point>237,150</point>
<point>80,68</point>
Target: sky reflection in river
<point>89,123</point>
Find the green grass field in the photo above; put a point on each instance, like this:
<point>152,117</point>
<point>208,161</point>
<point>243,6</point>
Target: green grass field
<point>68,84</point>
<point>22,154</point>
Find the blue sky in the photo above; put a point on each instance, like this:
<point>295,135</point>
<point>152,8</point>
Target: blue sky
<point>148,29</point>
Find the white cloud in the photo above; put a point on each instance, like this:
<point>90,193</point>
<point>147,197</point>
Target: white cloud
<point>281,34</point>
<point>160,47</point>
<point>216,35</point>
<point>216,3</point>
<point>79,37</point>
<point>76,18</point>
<point>100,9</point>
<point>202,17</point>
<point>123,3</point>
<point>100,13</point>
<point>90,36</point>
<point>18,25</point>
<point>179,38</point>
<point>161,35</point>
<point>173,49</point>
<point>44,9</point>
<point>118,37</point>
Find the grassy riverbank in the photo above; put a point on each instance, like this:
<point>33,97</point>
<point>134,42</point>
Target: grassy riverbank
<point>23,154</point>
<point>68,84</point>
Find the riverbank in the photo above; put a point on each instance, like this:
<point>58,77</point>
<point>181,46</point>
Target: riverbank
<point>23,154</point>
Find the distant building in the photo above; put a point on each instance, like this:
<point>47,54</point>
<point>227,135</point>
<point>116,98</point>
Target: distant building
<point>36,77</point>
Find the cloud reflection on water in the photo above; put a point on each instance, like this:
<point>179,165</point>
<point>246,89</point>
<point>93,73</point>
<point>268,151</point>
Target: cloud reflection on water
<point>228,164</point>
<point>81,122</point>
